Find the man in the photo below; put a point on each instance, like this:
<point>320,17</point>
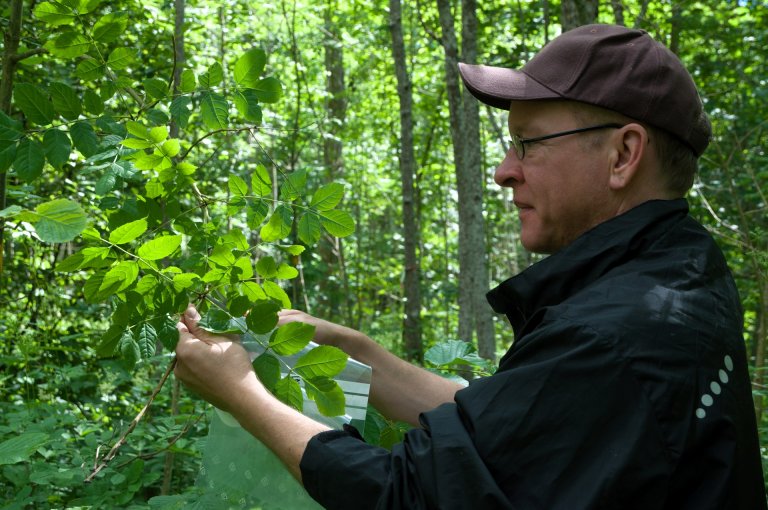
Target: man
<point>627,383</point>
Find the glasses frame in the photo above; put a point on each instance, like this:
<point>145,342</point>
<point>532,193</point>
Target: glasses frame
<point>518,143</point>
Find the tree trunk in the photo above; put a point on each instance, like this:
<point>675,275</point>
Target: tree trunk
<point>334,289</point>
<point>10,48</point>
<point>474,314</point>
<point>575,13</point>
<point>411,290</point>
<point>618,12</point>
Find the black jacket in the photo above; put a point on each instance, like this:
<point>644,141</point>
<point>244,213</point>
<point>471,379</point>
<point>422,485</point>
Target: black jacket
<point>626,387</point>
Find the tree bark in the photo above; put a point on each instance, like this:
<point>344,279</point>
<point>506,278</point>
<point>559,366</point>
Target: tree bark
<point>575,13</point>
<point>618,12</point>
<point>474,314</point>
<point>11,39</point>
<point>411,288</point>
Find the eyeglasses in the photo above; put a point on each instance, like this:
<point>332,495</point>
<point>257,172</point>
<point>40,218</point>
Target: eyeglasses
<point>518,143</point>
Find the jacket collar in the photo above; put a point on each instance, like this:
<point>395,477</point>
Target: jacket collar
<point>593,254</point>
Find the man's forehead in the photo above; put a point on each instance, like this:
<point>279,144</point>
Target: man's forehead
<point>531,114</point>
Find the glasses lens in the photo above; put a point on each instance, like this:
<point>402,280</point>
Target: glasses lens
<point>517,144</point>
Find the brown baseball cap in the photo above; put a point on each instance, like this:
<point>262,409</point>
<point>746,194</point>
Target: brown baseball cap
<point>610,66</point>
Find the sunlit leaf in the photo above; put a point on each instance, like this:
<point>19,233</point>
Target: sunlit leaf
<point>279,225</point>
<point>291,338</point>
<point>289,392</point>
<point>59,221</point>
<point>128,232</point>
<point>237,186</point>
<point>327,395</point>
<point>155,87</point>
<point>213,77</point>
<point>247,104</point>
<point>68,45</point>
<point>322,361</point>
<point>261,182</point>
<point>309,228</point>
<point>294,185</point>
<point>327,197</point>
<point>188,81</point>
<point>55,14</point>
<point>266,267</point>
<point>159,247</point>
<point>249,67</point>
<point>337,223</point>
<point>120,58</point>
<point>184,280</point>
<point>214,110</point>
<point>110,27</point>
<point>119,277</point>
<point>268,90</point>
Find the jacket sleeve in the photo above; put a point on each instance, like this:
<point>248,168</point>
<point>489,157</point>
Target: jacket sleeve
<point>563,425</point>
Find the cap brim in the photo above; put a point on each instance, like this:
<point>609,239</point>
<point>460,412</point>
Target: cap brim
<point>497,86</point>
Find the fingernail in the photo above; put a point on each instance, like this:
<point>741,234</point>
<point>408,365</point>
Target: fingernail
<point>191,313</point>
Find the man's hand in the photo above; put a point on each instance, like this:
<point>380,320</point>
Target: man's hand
<point>215,367</point>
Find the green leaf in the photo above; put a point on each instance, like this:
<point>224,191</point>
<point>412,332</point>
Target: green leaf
<point>68,45</point>
<point>119,277</point>
<point>253,291</point>
<point>269,90</point>
<point>286,272</point>
<point>110,340</point>
<point>180,111</point>
<point>327,197</point>
<point>261,182</point>
<point>274,291</point>
<point>167,333</point>
<point>337,223</point>
<point>159,248</point>
<point>322,361</point>
<point>294,185</point>
<point>128,232</point>
<point>171,148</point>
<point>219,321</point>
<point>213,77</point>
<point>146,339</point>
<point>10,211</point>
<point>65,100</point>
<point>90,69</point>
<point>293,249</point>
<point>327,395</point>
<point>84,138</point>
<point>57,147</point>
<point>59,221</point>
<point>34,103</point>
<point>279,225</point>
<point>291,338</point>
<point>288,391</point>
<point>158,134</point>
<point>120,58</point>
<point>10,129</point>
<point>237,186</point>
<point>135,143</point>
<point>92,102</point>
<point>188,82</point>
<point>55,14</point>
<point>129,348</point>
<point>247,103</point>
<point>137,129</point>
<point>309,229</point>
<point>267,368</point>
<point>447,353</point>
<point>222,255</point>
<point>7,155</point>
<point>110,27</point>
<point>249,67</point>
<point>21,447</point>
<point>266,267</point>
<point>214,110</point>
<point>184,280</point>
<point>262,317</point>
<point>30,159</point>
<point>156,88</point>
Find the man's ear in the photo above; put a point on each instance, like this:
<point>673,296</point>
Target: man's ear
<point>630,146</point>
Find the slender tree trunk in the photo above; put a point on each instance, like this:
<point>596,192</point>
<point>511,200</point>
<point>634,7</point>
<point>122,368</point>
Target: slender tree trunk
<point>474,315</point>
<point>618,12</point>
<point>10,48</point>
<point>575,13</point>
<point>334,289</point>
<point>412,294</point>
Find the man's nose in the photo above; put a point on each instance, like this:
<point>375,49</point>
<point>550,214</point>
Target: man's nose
<point>509,171</point>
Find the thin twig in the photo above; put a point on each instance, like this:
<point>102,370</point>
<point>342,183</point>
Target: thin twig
<point>120,442</point>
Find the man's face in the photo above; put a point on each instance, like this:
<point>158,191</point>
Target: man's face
<point>561,186</point>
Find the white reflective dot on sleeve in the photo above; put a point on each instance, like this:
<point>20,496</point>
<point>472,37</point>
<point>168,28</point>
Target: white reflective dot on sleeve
<point>706,399</point>
<point>700,413</point>
<point>723,376</point>
<point>714,387</point>
<point>728,363</point>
